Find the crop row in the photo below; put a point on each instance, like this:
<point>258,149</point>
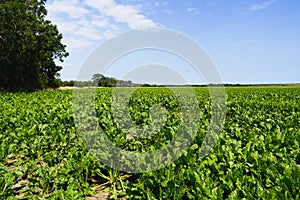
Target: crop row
<point>44,152</point>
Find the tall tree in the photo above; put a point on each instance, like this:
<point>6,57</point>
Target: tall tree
<point>29,46</point>
<point>96,78</point>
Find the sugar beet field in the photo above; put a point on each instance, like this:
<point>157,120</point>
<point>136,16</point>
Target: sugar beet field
<point>257,156</point>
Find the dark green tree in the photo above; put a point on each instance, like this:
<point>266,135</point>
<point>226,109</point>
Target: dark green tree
<point>103,81</point>
<point>96,78</point>
<point>107,82</point>
<point>29,46</point>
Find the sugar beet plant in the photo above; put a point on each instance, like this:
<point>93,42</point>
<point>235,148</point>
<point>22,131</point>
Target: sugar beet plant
<point>257,156</point>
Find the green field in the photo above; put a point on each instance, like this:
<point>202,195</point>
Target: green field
<point>256,157</point>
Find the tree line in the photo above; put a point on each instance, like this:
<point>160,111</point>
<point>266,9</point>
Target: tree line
<point>98,80</point>
<point>29,47</point>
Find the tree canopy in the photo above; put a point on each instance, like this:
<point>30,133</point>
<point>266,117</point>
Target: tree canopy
<point>103,81</point>
<point>29,46</point>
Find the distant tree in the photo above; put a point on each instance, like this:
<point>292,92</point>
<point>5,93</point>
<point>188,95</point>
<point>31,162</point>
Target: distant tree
<point>96,78</point>
<point>103,81</point>
<point>146,85</point>
<point>122,83</point>
<point>67,83</point>
<point>29,46</point>
<point>107,82</point>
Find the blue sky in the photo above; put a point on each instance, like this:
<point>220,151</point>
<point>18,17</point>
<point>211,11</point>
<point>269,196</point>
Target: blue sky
<point>249,41</point>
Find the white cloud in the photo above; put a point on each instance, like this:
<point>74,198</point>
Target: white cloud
<point>262,5</point>
<point>108,34</point>
<point>64,26</point>
<point>83,22</point>
<point>100,5</point>
<point>88,32</point>
<point>129,15</point>
<point>101,23</point>
<point>168,12</point>
<point>70,8</point>
<point>193,10</point>
<point>76,44</point>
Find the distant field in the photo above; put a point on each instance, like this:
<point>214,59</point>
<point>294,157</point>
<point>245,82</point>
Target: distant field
<point>256,157</point>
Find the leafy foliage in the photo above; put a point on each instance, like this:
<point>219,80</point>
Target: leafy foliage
<point>29,44</point>
<point>256,157</point>
<point>104,81</point>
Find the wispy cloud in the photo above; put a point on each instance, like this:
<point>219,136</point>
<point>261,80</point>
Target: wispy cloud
<point>72,9</point>
<point>255,7</point>
<point>84,21</point>
<point>76,43</point>
<point>127,14</point>
<point>262,5</point>
<point>168,11</point>
<point>165,3</point>
<point>193,10</point>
